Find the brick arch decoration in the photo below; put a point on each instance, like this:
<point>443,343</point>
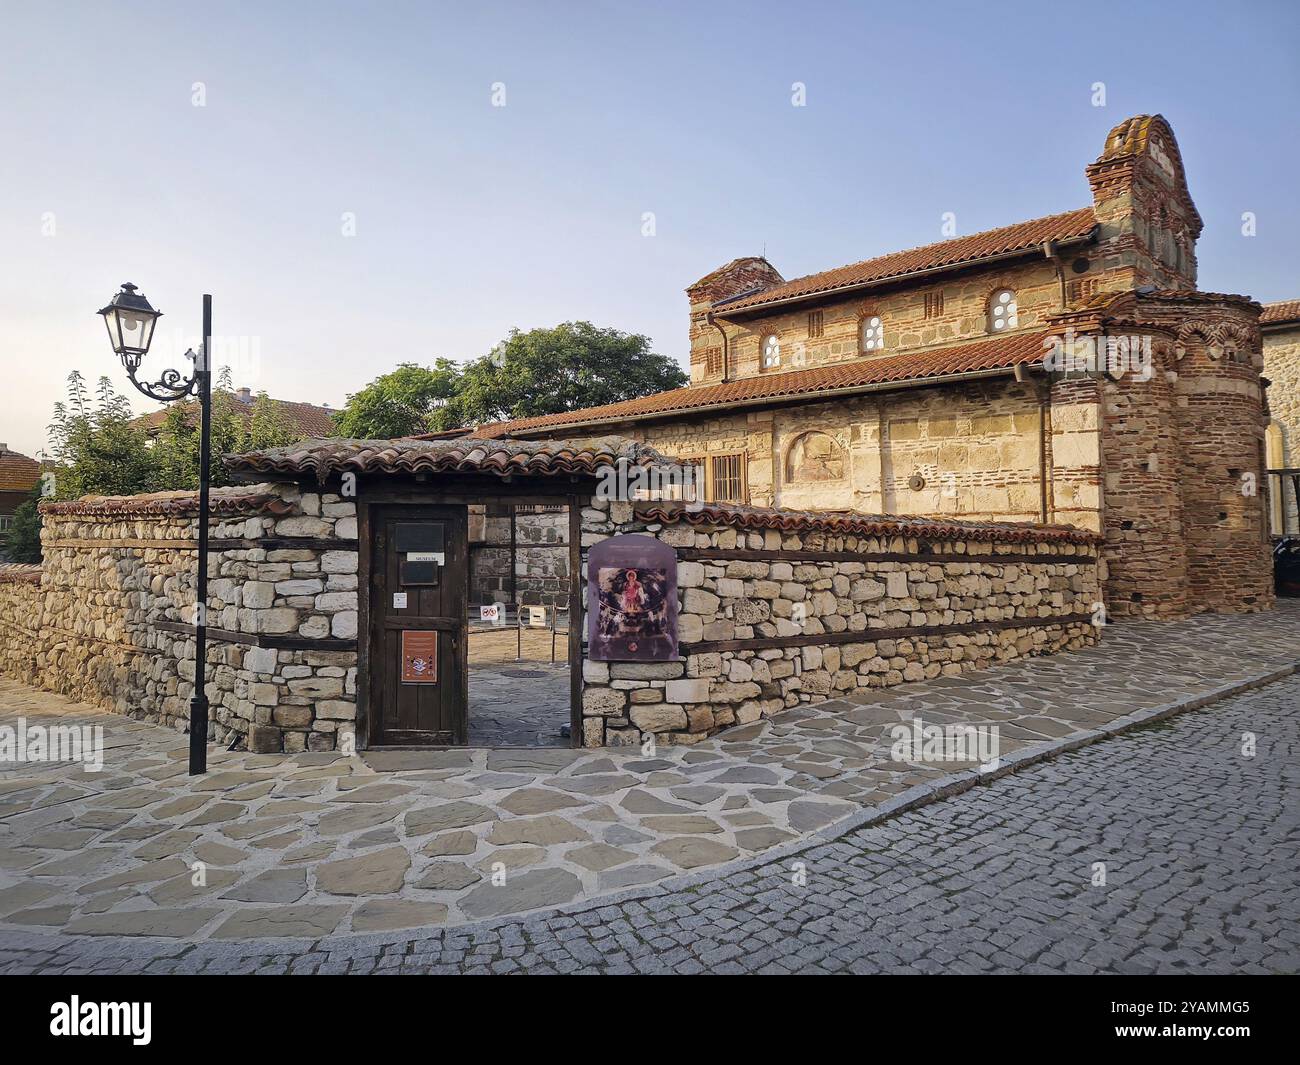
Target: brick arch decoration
<point>815,456</point>
<point>1219,338</point>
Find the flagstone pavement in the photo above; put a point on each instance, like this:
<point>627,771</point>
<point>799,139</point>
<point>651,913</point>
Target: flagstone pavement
<point>315,844</point>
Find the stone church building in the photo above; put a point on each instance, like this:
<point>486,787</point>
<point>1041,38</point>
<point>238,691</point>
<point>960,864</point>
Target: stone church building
<point>1062,370</point>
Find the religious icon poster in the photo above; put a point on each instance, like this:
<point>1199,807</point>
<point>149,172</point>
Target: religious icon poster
<point>632,600</point>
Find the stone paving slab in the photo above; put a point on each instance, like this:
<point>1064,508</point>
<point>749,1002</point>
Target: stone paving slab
<point>1198,838</point>
<point>316,844</point>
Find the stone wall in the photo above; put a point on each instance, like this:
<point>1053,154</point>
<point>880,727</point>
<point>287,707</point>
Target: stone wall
<point>20,621</point>
<point>114,612</point>
<point>541,555</point>
<point>1282,368</point>
<point>814,607</point>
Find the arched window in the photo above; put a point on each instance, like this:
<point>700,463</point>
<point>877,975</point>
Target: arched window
<point>873,333</point>
<point>770,357</point>
<point>1002,311</point>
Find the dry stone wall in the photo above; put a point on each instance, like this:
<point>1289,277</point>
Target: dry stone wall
<point>112,615</point>
<point>774,617</point>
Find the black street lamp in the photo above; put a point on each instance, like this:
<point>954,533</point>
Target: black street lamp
<point>130,321</point>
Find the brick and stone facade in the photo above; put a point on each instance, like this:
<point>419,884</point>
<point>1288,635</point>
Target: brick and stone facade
<point>896,386</point>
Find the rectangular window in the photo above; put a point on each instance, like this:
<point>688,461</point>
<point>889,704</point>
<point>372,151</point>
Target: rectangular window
<point>694,493</point>
<point>727,478</point>
<point>933,304</point>
<point>6,522</point>
<point>815,323</point>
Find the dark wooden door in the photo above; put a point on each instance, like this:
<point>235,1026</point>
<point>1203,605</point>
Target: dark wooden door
<point>418,630</point>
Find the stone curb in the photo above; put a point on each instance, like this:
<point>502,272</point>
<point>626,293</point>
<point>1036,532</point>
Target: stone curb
<point>913,798</point>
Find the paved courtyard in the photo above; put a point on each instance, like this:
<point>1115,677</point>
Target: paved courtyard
<point>1200,847</point>
<point>315,845</point>
<point>524,704</point>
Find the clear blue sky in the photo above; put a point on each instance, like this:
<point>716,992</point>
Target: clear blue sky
<point>471,219</point>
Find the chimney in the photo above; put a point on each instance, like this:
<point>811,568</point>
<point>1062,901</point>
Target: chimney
<point>245,395</point>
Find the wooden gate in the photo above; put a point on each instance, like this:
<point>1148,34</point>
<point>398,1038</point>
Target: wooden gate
<point>418,666</point>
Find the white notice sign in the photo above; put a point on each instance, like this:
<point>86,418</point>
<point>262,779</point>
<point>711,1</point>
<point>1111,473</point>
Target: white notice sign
<point>399,600</point>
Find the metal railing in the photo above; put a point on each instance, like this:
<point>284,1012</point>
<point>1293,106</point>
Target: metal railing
<point>520,616</point>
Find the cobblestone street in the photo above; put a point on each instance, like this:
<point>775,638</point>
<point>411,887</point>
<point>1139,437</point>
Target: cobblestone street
<point>1200,846</point>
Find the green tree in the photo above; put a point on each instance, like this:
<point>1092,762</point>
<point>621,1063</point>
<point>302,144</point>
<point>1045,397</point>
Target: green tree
<point>233,430</point>
<point>96,448</point>
<point>22,541</point>
<point>401,403</point>
<point>549,371</point>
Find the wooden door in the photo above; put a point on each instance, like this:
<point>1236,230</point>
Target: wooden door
<point>418,625</point>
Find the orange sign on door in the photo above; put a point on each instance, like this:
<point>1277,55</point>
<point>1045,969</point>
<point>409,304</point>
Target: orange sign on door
<point>419,656</point>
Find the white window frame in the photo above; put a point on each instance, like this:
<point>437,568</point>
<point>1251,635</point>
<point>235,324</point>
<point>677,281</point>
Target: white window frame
<point>1004,311</point>
<point>871,333</point>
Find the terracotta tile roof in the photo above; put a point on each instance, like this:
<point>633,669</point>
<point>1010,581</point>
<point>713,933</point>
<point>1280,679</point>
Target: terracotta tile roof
<point>463,455</point>
<point>1003,352</point>
<point>851,522</point>
<point>1281,311</point>
<point>19,572</point>
<point>306,419</point>
<point>224,502</point>
<point>1072,225</point>
<point>18,473</point>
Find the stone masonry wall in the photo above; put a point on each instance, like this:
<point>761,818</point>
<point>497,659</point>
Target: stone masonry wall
<point>541,555</point>
<point>20,621</point>
<point>762,632</point>
<point>1282,368</point>
<point>114,611</point>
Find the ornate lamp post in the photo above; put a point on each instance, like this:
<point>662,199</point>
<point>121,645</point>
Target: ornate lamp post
<point>130,321</point>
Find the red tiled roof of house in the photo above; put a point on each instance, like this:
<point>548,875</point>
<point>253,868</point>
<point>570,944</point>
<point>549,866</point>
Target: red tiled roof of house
<point>1281,311</point>
<point>1072,225</point>
<point>1004,352</point>
<point>306,419</point>
<point>18,473</point>
<point>464,455</point>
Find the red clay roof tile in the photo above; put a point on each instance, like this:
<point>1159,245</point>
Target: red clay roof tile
<point>1281,311</point>
<point>1003,352</point>
<point>461,455</point>
<point>224,502</point>
<point>848,522</point>
<point>1022,236</point>
<point>18,473</point>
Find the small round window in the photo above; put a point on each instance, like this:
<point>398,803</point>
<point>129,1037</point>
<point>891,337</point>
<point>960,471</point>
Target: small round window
<point>771,351</point>
<point>873,333</point>
<point>1002,311</point>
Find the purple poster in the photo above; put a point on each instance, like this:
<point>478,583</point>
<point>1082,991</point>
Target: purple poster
<point>632,600</point>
